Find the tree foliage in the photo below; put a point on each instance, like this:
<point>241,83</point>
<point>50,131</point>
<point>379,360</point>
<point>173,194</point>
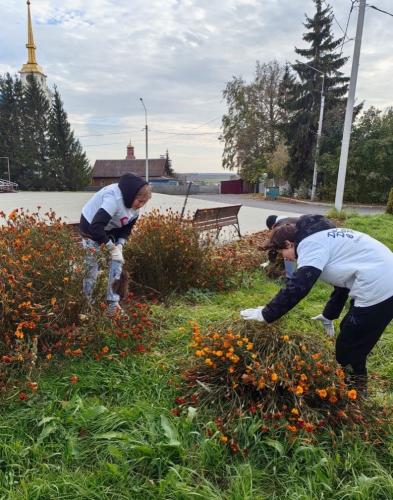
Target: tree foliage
<point>37,138</point>
<point>250,126</point>
<point>303,93</point>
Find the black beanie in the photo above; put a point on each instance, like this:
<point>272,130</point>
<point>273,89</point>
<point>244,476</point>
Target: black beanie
<point>271,220</point>
<point>129,185</point>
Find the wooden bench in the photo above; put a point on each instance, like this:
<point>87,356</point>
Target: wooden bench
<point>207,219</point>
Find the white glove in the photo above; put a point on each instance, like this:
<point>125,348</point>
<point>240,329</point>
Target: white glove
<point>264,265</point>
<point>117,253</point>
<point>328,325</point>
<point>253,314</point>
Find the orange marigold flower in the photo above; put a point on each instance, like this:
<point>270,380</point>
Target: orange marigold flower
<point>322,393</point>
<point>274,377</point>
<point>333,399</point>
<point>352,394</point>
<point>299,390</point>
<point>74,379</point>
<point>208,362</point>
<point>250,346</point>
<point>49,356</point>
<point>199,354</point>
<point>105,349</point>
<point>303,377</point>
<point>218,353</point>
<point>285,338</point>
<point>53,301</point>
<point>261,384</point>
<point>223,439</point>
<point>231,369</point>
<point>291,428</point>
<point>33,386</point>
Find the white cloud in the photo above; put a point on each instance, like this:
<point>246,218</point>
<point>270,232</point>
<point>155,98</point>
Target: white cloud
<point>178,54</point>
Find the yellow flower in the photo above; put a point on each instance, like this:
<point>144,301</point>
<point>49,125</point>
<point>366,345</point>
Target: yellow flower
<point>295,411</point>
<point>223,439</point>
<point>285,338</point>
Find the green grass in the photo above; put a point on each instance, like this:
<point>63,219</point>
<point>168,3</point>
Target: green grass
<point>112,435</point>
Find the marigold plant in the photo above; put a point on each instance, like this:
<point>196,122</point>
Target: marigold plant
<point>290,382</point>
<point>165,253</point>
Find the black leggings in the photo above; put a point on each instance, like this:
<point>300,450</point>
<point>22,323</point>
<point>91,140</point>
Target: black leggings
<point>360,330</point>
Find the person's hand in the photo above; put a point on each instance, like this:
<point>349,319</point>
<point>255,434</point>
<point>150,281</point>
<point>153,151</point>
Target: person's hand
<point>253,314</point>
<point>328,324</point>
<point>117,253</point>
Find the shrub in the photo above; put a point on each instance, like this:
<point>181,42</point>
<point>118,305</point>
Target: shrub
<point>40,279</point>
<point>389,207</point>
<point>287,382</point>
<point>41,275</point>
<point>165,253</point>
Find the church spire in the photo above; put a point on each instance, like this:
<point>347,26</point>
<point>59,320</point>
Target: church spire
<point>31,67</point>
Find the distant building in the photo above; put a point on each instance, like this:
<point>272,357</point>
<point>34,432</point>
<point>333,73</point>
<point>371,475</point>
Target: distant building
<point>31,68</point>
<point>109,171</point>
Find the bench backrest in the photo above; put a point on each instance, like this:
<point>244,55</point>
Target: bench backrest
<point>213,218</point>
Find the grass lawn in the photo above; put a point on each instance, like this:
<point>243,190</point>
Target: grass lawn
<point>112,434</point>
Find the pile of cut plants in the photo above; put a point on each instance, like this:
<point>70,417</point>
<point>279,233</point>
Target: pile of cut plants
<point>290,383</point>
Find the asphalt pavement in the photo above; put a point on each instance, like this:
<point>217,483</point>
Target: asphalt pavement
<point>274,206</point>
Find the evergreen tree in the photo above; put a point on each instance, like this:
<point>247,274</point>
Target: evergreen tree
<point>168,166</point>
<point>304,95</point>
<point>69,168</point>
<point>11,122</point>
<point>35,137</point>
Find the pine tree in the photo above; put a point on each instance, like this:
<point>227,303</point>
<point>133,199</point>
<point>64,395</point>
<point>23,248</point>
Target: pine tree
<point>303,103</point>
<point>11,97</point>
<point>35,137</point>
<point>69,168</point>
<point>168,166</point>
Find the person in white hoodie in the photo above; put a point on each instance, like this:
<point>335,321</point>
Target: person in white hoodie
<point>107,220</point>
<point>358,267</point>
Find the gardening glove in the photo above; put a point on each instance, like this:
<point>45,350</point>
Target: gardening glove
<point>253,314</point>
<point>264,265</point>
<point>328,325</point>
<point>117,253</point>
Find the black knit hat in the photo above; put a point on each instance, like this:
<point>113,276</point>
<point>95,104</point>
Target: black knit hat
<point>129,185</point>
<point>271,220</point>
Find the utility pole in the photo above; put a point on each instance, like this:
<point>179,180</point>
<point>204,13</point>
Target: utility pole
<point>315,172</point>
<point>146,141</point>
<point>342,169</point>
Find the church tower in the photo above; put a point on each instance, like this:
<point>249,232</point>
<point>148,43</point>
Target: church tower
<point>31,68</point>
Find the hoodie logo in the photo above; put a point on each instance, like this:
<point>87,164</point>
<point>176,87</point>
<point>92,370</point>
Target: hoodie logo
<point>123,221</point>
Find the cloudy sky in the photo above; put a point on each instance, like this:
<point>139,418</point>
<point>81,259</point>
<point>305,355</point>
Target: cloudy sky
<point>178,55</point>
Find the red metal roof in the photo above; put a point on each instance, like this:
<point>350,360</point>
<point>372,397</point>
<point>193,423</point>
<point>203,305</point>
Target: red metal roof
<point>116,168</point>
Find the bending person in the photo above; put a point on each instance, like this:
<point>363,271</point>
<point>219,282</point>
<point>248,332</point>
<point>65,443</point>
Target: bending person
<point>356,265</point>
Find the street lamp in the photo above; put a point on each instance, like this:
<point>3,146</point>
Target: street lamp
<point>146,139</point>
<point>8,166</point>
<point>315,173</point>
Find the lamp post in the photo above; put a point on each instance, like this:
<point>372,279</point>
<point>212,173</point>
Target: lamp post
<point>8,166</point>
<point>319,133</point>
<point>146,140</point>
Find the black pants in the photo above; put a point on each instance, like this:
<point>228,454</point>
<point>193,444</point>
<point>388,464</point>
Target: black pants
<point>360,330</point>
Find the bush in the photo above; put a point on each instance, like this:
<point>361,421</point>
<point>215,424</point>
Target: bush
<point>40,279</point>
<point>389,207</point>
<point>41,275</point>
<point>165,253</point>
<point>284,382</point>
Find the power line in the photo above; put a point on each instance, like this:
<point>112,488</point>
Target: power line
<point>346,27</point>
<point>380,10</point>
<point>334,17</point>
